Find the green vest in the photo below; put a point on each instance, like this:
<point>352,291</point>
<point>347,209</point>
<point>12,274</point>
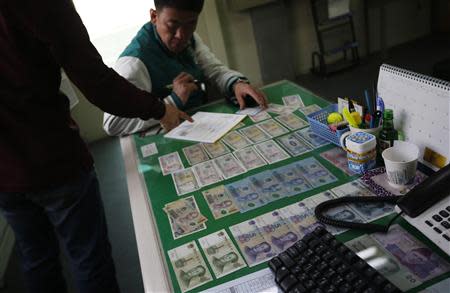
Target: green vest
<point>163,66</point>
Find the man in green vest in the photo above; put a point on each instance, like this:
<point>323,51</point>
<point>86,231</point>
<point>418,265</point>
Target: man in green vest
<point>168,59</point>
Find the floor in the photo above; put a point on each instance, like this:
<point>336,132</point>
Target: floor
<point>419,56</point>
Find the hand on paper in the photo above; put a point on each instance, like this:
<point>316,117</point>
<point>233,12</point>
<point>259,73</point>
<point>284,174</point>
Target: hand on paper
<point>241,89</point>
<point>173,118</point>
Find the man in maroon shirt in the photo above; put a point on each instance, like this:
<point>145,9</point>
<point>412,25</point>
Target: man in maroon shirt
<point>47,181</point>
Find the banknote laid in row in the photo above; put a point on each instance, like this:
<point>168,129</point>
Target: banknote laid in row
<point>249,158</point>
<point>295,101</point>
<point>280,109</point>
<point>170,163</point>
<point>236,140</point>
<point>272,127</point>
<point>185,181</point>
<point>252,243</point>
<point>309,109</point>
<point>206,173</point>
<point>185,215</point>
<point>189,266</point>
<point>216,149</point>
<point>223,257</point>
<point>195,154</point>
<point>220,202</point>
<point>338,158</point>
<point>369,211</point>
<point>310,137</point>
<point>271,151</point>
<point>254,134</point>
<point>294,145</point>
<point>261,116</point>
<point>229,166</point>
<point>178,232</point>
<point>292,121</point>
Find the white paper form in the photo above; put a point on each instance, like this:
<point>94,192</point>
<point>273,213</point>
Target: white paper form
<point>260,281</point>
<point>207,127</point>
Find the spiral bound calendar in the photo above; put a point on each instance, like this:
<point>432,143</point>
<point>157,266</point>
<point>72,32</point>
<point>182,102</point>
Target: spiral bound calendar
<point>421,107</point>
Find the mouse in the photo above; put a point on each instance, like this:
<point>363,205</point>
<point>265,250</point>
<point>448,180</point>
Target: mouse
<point>249,101</point>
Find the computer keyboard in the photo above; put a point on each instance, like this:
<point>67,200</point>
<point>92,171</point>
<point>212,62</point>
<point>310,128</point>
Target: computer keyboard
<point>321,263</point>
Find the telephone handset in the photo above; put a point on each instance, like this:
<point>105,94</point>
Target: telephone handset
<point>427,193</point>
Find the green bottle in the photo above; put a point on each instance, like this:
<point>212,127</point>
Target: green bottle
<point>388,134</point>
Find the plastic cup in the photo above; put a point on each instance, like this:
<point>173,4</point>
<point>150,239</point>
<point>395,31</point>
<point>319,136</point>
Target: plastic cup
<point>401,163</point>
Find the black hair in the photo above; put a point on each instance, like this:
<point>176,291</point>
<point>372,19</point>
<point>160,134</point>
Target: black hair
<point>190,5</point>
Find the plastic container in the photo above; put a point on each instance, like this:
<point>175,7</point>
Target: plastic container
<point>319,124</point>
<point>361,150</point>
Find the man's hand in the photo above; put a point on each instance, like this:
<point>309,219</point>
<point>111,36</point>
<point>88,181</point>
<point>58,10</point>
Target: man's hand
<point>173,118</point>
<point>184,86</point>
<point>241,89</point>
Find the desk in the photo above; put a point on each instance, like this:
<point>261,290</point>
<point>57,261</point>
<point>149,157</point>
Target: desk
<point>157,275</point>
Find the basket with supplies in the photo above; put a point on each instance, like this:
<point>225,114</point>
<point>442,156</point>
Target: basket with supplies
<point>320,124</point>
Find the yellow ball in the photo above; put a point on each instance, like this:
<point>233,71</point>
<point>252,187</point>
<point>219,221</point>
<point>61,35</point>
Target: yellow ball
<point>334,117</point>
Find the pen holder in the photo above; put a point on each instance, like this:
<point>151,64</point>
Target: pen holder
<point>361,150</point>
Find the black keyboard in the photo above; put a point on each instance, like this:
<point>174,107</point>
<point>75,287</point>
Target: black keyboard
<point>321,263</point>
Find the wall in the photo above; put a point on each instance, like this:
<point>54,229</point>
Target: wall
<point>230,36</point>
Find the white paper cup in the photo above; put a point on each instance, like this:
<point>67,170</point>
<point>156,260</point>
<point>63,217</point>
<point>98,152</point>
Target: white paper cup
<point>401,163</point>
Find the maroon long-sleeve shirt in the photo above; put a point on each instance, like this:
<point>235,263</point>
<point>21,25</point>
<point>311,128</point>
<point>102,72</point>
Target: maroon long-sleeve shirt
<point>40,145</point>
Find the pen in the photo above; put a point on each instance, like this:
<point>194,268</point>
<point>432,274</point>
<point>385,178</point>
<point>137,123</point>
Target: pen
<point>200,84</point>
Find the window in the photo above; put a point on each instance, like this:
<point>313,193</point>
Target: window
<point>113,23</point>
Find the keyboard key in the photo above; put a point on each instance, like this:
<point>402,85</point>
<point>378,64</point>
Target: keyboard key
<point>345,288</point>
<point>359,284</point>
<point>275,263</point>
<point>389,288</point>
<point>444,214</point>
<point>286,260</point>
<point>448,208</point>
<point>289,282</point>
<point>350,277</point>
<point>293,252</point>
<point>351,257</point>
<point>281,273</point>
<point>337,280</point>
<point>437,218</point>
<point>309,284</point>
<point>446,237</point>
<point>298,289</point>
<point>437,230</point>
<point>445,224</point>
<point>429,223</point>
<point>370,272</point>
<point>320,231</point>
<point>297,269</point>
<point>301,246</point>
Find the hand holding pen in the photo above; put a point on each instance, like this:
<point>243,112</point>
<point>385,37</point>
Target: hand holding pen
<point>184,85</point>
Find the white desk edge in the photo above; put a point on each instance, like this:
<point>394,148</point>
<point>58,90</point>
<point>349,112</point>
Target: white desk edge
<point>151,257</point>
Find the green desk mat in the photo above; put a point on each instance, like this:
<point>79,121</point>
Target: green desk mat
<point>161,189</point>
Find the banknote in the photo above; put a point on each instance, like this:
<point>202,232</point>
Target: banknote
<point>310,109</point>
<point>249,158</point>
<point>280,109</point>
<point>292,179</point>
<point>254,134</point>
<point>342,213</point>
<point>195,154</point>
<point>276,230</point>
<point>149,150</point>
<point>369,211</point>
<point>310,137</point>
<point>206,173</point>
<point>216,149</point>
<point>268,185</point>
<point>314,172</point>
<point>236,140</point>
<point>170,163</point>
<point>185,213</point>
<point>272,128</point>
<point>222,255</point>
<point>184,181</point>
<point>220,202</point>
<point>261,116</point>
<point>252,244</point>
<point>293,100</point>
<point>271,151</point>
<point>292,121</point>
<point>338,157</point>
<point>300,217</point>
<point>178,232</point>
<point>239,125</point>
<point>189,267</point>
<point>229,166</point>
<point>381,260</point>
<point>411,253</point>
<point>249,111</point>
<point>246,195</point>
<point>293,145</point>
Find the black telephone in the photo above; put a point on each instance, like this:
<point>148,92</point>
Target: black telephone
<point>419,199</point>
<point>427,193</point>
<point>248,100</point>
